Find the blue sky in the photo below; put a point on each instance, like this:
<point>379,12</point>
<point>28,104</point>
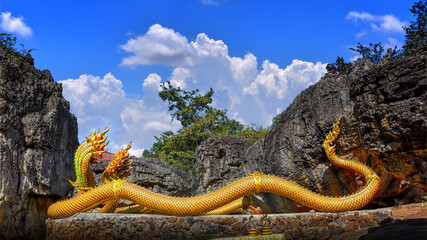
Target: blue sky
<point>111,56</point>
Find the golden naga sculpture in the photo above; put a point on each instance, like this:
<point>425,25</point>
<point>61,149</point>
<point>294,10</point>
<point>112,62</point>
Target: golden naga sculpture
<point>222,201</point>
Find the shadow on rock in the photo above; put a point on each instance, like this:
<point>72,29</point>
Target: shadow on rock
<point>410,229</point>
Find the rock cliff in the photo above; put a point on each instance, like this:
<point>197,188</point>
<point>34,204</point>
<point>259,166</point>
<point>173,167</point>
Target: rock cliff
<point>384,126</point>
<point>38,137</point>
<point>220,161</point>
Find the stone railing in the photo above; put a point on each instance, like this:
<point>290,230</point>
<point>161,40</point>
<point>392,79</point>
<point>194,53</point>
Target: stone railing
<point>317,225</point>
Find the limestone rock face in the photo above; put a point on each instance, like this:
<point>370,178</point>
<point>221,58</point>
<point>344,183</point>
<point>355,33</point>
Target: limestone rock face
<point>38,137</point>
<point>391,113</point>
<point>219,161</point>
<point>384,126</point>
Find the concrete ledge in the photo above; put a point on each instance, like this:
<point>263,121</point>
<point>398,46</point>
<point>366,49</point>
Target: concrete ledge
<point>318,225</point>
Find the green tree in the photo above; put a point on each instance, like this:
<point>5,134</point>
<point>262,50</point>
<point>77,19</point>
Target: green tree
<point>373,51</point>
<point>7,41</point>
<point>177,150</point>
<point>339,67</point>
<point>7,44</point>
<point>252,132</point>
<point>186,105</point>
<point>199,121</point>
<point>416,33</point>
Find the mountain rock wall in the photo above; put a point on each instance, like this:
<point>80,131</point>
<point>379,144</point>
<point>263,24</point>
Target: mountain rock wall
<point>38,137</point>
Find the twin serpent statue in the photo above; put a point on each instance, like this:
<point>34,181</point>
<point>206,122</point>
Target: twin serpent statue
<point>222,201</point>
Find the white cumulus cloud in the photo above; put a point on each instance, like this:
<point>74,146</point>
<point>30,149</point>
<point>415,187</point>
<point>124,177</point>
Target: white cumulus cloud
<point>250,95</point>
<point>207,47</point>
<point>14,24</point>
<point>152,81</point>
<point>272,79</point>
<point>179,77</point>
<point>97,101</point>
<point>362,16</point>
<point>135,152</point>
<point>387,23</point>
<point>158,46</point>
<point>276,81</point>
<point>244,69</point>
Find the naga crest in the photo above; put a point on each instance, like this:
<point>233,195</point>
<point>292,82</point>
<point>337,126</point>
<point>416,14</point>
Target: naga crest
<point>89,152</point>
<point>97,140</point>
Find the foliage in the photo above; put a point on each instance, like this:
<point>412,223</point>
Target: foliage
<point>373,51</point>
<point>7,41</point>
<point>7,44</point>
<point>252,132</point>
<point>187,104</point>
<point>178,149</point>
<point>199,121</point>
<point>340,66</point>
<point>416,36</point>
<point>416,33</point>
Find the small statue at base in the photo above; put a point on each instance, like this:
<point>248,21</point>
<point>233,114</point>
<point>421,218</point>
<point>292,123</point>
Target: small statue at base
<point>265,222</point>
<point>252,226</point>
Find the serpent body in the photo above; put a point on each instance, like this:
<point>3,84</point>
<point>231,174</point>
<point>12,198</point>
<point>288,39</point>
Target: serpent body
<point>208,203</point>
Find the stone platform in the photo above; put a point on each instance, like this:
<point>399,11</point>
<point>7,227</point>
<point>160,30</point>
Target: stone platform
<point>404,222</point>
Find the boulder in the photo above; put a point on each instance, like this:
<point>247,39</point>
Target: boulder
<point>38,137</point>
<point>390,113</point>
<point>219,161</point>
